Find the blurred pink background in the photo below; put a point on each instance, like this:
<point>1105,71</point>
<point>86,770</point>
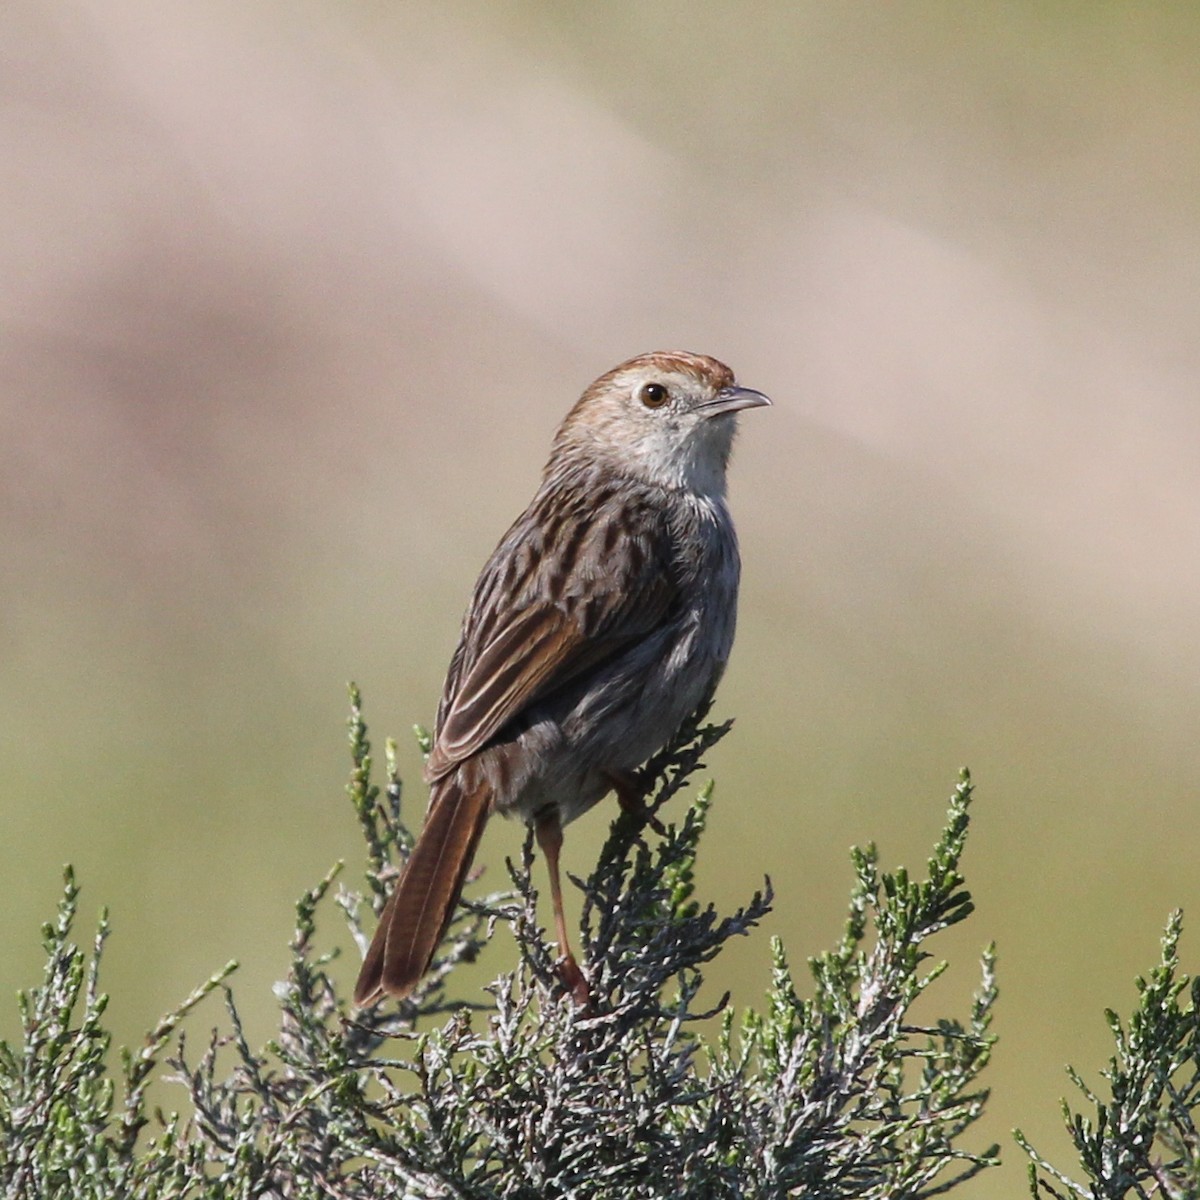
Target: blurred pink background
<point>292,297</point>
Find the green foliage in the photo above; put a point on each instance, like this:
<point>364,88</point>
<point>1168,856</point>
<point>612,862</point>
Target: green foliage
<point>1143,1140</point>
<point>63,1131</point>
<point>647,1092</point>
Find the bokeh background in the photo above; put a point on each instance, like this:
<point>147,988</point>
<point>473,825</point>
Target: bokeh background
<point>293,294</point>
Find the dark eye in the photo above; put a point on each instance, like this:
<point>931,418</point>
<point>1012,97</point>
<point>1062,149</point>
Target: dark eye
<point>652,395</point>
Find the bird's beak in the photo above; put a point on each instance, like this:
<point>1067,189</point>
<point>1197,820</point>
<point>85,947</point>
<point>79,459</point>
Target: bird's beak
<point>734,399</point>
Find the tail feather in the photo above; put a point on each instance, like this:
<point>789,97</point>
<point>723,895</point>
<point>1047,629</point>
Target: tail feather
<point>420,908</point>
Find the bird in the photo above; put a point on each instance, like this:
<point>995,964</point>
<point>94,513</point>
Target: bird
<point>603,619</point>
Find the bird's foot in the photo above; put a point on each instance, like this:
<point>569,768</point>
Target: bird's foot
<point>629,797</point>
<point>575,981</point>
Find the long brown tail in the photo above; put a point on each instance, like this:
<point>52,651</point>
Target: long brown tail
<point>420,908</point>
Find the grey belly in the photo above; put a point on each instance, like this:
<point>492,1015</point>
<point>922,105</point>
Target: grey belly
<point>622,717</point>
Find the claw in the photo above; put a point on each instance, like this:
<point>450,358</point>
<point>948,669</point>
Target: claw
<point>629,797</point>
<point>575,981</point>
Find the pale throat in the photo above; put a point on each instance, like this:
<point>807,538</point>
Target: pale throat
<point>697,466</point>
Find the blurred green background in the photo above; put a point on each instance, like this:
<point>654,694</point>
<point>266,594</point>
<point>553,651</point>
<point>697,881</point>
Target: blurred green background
<point>293,295</point>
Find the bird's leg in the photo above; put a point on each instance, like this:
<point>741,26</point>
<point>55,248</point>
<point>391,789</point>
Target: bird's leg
<point>549,836</point>
<point>625,784</point>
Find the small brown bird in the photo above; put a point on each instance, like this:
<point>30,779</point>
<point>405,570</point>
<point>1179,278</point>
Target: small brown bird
<point>601,622</point>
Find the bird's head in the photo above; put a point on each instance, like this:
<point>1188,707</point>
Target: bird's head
<point>668,418</point>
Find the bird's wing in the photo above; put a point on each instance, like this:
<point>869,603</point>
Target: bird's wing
<point>540,643</point>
